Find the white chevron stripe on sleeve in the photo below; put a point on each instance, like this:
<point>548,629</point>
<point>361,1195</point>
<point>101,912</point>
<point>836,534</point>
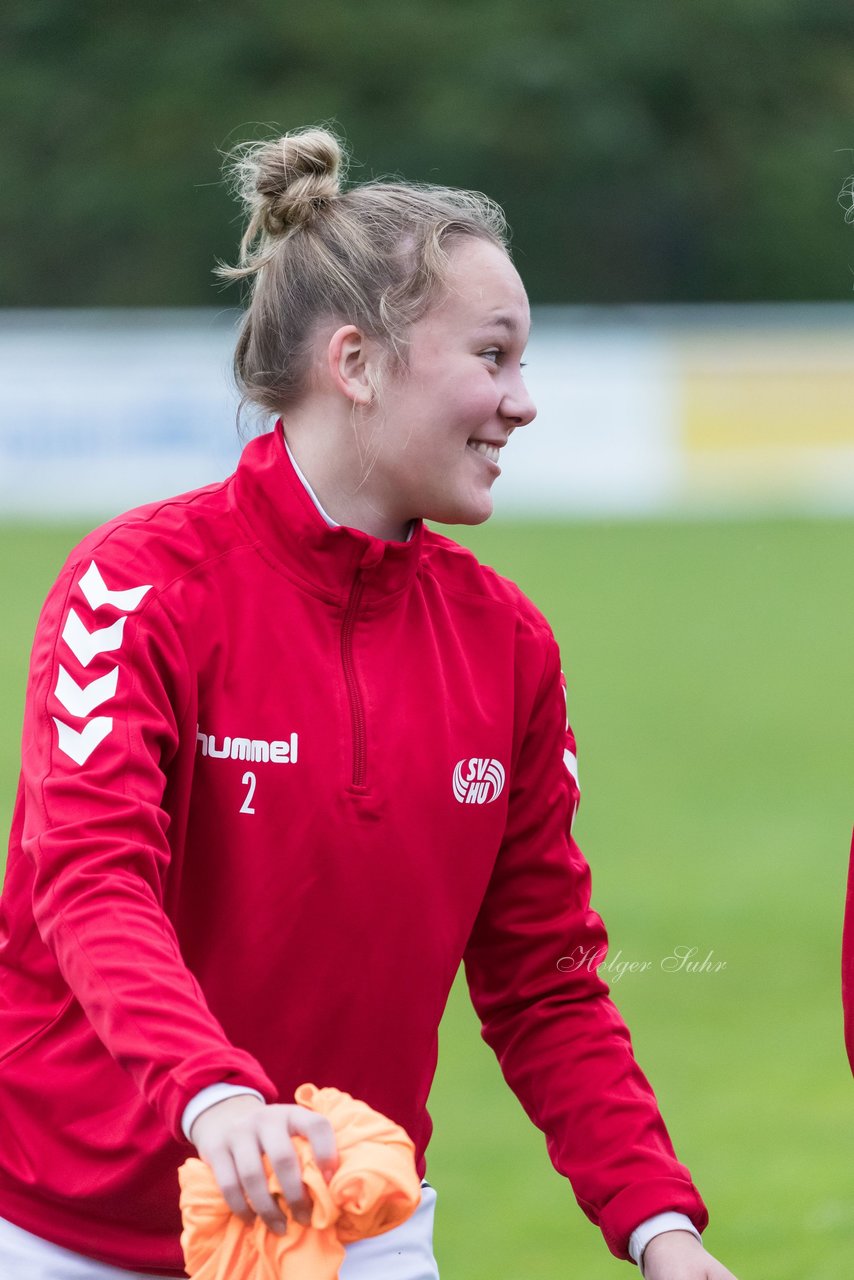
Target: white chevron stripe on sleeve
<point>81,701</point>
<point>97,593</point>
<point>85,645</point>
<point>79,746</point>
<point>571,763</point>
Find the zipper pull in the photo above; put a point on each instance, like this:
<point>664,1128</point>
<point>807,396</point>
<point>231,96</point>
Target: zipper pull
<point>372,554</point>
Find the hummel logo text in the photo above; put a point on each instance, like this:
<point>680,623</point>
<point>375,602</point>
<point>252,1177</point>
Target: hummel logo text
<point>282,751</point>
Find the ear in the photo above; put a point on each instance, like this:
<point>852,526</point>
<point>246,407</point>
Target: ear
<point>351,357</point>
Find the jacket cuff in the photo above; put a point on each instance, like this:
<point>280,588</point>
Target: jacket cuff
<point>176,1095</point>
<point>620,1217</point>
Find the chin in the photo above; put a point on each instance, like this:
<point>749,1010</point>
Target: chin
<point>470,512</point>
<point>472,518</point>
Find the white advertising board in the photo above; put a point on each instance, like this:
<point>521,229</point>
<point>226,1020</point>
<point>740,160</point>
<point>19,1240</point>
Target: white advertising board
<point>640,410</point>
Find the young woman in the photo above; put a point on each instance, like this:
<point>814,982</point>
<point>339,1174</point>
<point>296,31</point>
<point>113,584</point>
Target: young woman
<point>289,757</point>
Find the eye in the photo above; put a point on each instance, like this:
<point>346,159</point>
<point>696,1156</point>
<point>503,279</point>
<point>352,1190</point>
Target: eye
<point>497,356</point>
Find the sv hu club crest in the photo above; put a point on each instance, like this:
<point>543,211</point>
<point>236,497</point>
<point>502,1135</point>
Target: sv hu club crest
<point>478,781</point>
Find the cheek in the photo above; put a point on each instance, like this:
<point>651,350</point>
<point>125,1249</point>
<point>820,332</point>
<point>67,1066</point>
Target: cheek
<point>479,399</point>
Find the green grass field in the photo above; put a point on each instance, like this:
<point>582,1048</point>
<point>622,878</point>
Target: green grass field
<point>709,668</point>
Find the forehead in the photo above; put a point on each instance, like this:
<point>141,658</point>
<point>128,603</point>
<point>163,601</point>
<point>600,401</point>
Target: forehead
<point>482,288</point>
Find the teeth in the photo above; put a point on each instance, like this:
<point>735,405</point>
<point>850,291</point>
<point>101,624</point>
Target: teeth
<point>488,450</point>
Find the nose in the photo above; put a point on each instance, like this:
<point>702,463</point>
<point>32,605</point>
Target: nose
<point>517,407</point>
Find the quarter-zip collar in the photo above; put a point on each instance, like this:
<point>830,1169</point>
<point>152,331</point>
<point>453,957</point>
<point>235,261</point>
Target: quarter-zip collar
<point>272,500</point>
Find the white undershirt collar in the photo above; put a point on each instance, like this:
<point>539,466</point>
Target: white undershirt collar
<point>333,524</point>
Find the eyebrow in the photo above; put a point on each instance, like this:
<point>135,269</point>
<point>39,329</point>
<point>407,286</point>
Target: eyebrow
<point>501,321</point>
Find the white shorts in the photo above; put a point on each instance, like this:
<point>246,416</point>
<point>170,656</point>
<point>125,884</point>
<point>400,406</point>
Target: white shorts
<point>406,1253</point>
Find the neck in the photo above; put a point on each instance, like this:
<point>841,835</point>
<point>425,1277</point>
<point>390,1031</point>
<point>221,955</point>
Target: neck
<point>326,452</point>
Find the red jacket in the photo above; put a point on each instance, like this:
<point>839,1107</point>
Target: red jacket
<point>848,962</point>
<point>278,779</point>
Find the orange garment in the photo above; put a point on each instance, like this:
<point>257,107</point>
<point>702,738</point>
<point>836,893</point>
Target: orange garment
<point>374,1188</point>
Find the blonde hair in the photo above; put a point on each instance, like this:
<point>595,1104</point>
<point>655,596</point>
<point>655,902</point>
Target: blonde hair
<point>374,255</point>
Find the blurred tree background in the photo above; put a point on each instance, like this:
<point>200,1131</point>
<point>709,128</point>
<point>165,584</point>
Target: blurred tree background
<point>666,151</point>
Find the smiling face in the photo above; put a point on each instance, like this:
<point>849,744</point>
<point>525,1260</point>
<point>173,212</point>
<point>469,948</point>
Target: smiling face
<point>447,415</point>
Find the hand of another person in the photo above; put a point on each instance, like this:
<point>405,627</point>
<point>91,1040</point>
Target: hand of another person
<point>234,1135</point>
<point>677,1255</point>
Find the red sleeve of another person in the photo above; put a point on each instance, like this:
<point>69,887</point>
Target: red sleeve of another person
<point>848,962</point>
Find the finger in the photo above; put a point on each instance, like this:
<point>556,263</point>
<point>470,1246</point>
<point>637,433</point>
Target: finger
<point>321,1136</point>
<point>253,1179</point>
<point>228,1180</point>
<point>286,1166</point>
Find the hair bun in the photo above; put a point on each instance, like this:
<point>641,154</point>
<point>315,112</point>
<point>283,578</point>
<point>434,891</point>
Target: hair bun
<point>297,176</point>
<point>286,182</point>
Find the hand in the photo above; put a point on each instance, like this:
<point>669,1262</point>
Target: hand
<point>677,1255</point>
<point>234,1135</point>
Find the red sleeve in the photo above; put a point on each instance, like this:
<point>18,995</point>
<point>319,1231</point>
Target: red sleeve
<point>531,968</point>
<point>848,962</point>
<point>109,685</point>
